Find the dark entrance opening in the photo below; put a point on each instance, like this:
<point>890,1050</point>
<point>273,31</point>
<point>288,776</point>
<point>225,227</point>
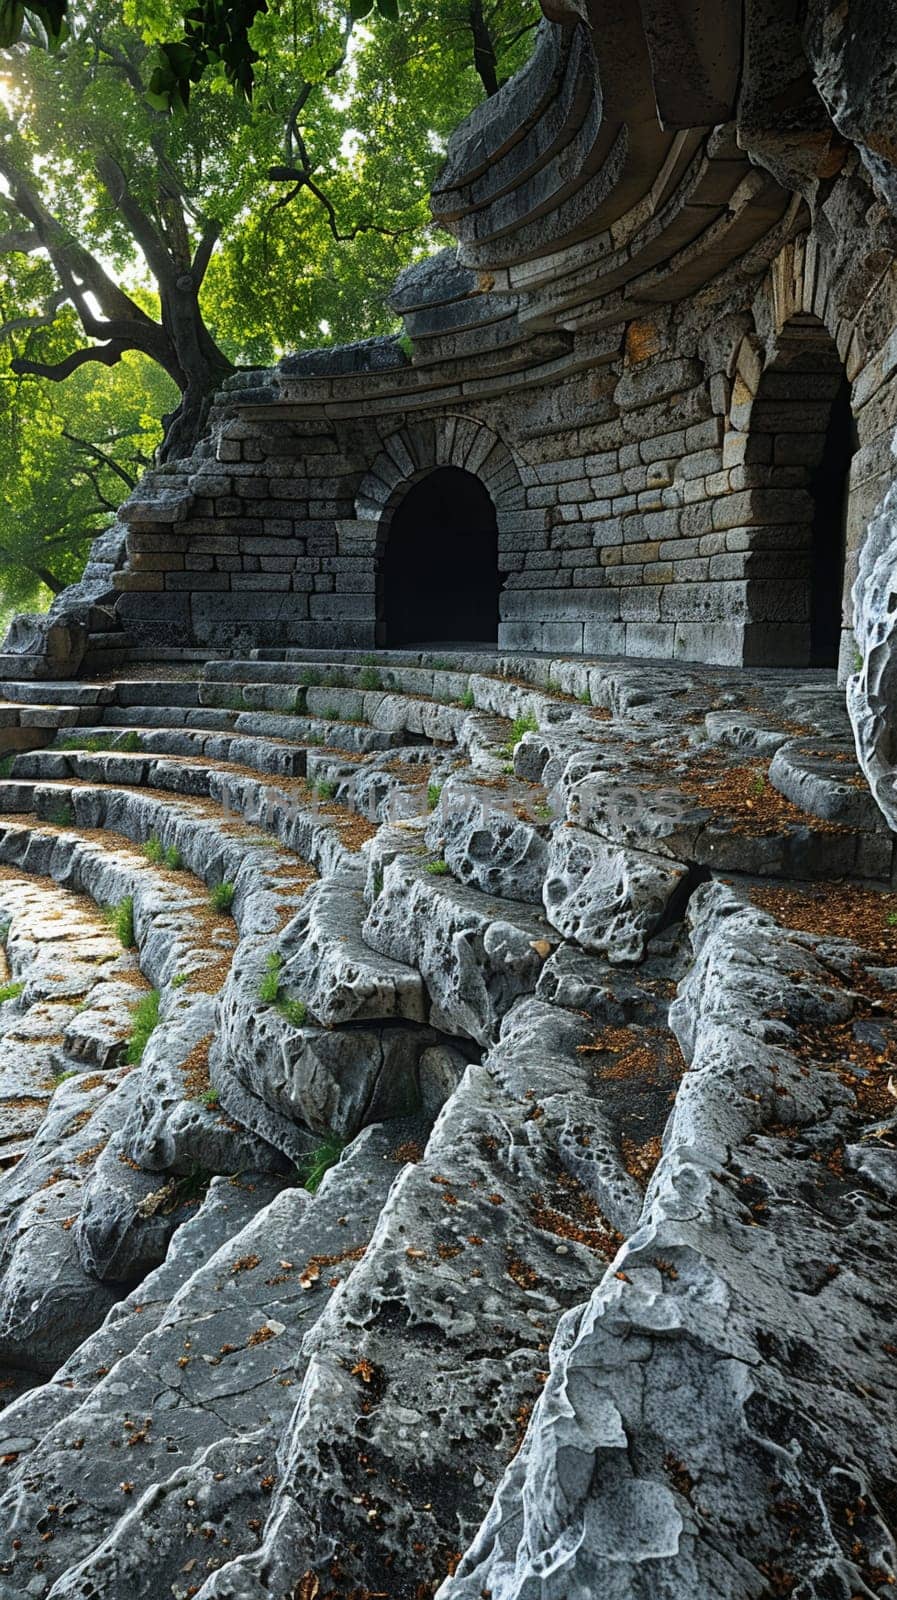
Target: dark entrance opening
<point>802,439</point>
<point>440,576</point>
<point>828,486</point>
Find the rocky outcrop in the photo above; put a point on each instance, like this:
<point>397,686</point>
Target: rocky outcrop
<point>872,690</point>
<point>463,1141</point>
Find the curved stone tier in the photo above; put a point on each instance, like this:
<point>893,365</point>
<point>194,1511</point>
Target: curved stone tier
<point>460,922</point>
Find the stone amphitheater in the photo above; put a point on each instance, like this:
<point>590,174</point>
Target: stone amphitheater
<point>449,1017</point>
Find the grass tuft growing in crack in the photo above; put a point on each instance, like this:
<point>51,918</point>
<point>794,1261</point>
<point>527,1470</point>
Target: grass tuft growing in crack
<point>162,855</point>
<point>145,1018</point>
<point>269,983</point>
<point>314,1167</point>
<point>519,727</point>
<point>295,1012</point>
<point>221,896</point>
<point>120,918</point>
<point>10,991</point>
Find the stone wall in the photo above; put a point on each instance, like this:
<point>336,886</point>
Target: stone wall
<point>637,348</point>
<point>648,503</point>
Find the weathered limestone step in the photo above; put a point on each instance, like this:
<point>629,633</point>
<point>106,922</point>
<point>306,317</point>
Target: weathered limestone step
<point>476,953</point>
<point>701,808</point>
<point>226,1207</point>
<point>208,1389</point>
<point>72,989</point>
<point>329,968</point>
<point>752,1292</point>
<point>266,875</point>
<point>235,746</point>
<point>300,1076</point>
<point>97,1155</point>
<point>493,834</point>
<point>824,778</point>
<point>425,1368</point>
<point>118,763</point>
<point>319,830</point>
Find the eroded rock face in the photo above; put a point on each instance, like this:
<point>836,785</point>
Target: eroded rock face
<point>721,1391</point>
<point>872,691</point>
<point>609,898</point>
<point>38,646</point>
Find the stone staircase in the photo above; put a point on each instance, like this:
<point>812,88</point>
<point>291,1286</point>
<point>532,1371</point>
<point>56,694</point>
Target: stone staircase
<point>395,1051</point>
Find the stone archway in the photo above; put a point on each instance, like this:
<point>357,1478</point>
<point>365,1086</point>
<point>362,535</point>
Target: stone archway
<point>439,579</point>
<point>410,458</point>
<point>796,415</point>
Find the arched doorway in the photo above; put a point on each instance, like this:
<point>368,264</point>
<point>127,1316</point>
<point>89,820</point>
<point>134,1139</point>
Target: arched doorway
<point>439,576</point>
<point>802,440</point>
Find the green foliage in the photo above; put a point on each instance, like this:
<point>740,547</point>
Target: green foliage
<point>282,256</point>
<point>370,678</point>
<point>61,816</point>
<point>544,813</point>
<point>63,1077</point>
<point>129,741</point>
<point>437,869</point>
<point>324,789</point>
<point>314,1168</point>
<point>6,766</point>
<point>162,855</point>
<point>585,697</point>
<point>295,1012</point>
<point>210,1098</point>
<point>221,896</point>
<point>120,918</point>
<point>466,701</point>
<point>144,1019</point>
<point>11,991</point>
<point>434,790</point>
<point>180,979</point>
<point>519,727</point>
<point>309,678</point>
<point>269,983</point>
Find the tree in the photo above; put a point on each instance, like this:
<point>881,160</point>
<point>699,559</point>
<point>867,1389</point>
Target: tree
<point>69,453</point>
<point>109,190</point>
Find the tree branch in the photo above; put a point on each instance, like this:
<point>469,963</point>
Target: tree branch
<point>39,320</point>
<point>21,241</point>
<point>107,354</point>
<point>101,456</point>
<point>203,254</point>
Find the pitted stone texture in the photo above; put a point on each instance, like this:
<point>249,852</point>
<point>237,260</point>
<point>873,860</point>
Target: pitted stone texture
<point>228,1205</point>
<point>608,898</point>
<point>726,1380</point>
<point>331,1081</point>
<point>476,954</point>
<point>216,1372</point>
<point>487,843</point>
<point>126,1217</point>
<point>872,691</point>
<point>821,777</point>
<point>328,966</point>
<point>423,1370</point>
